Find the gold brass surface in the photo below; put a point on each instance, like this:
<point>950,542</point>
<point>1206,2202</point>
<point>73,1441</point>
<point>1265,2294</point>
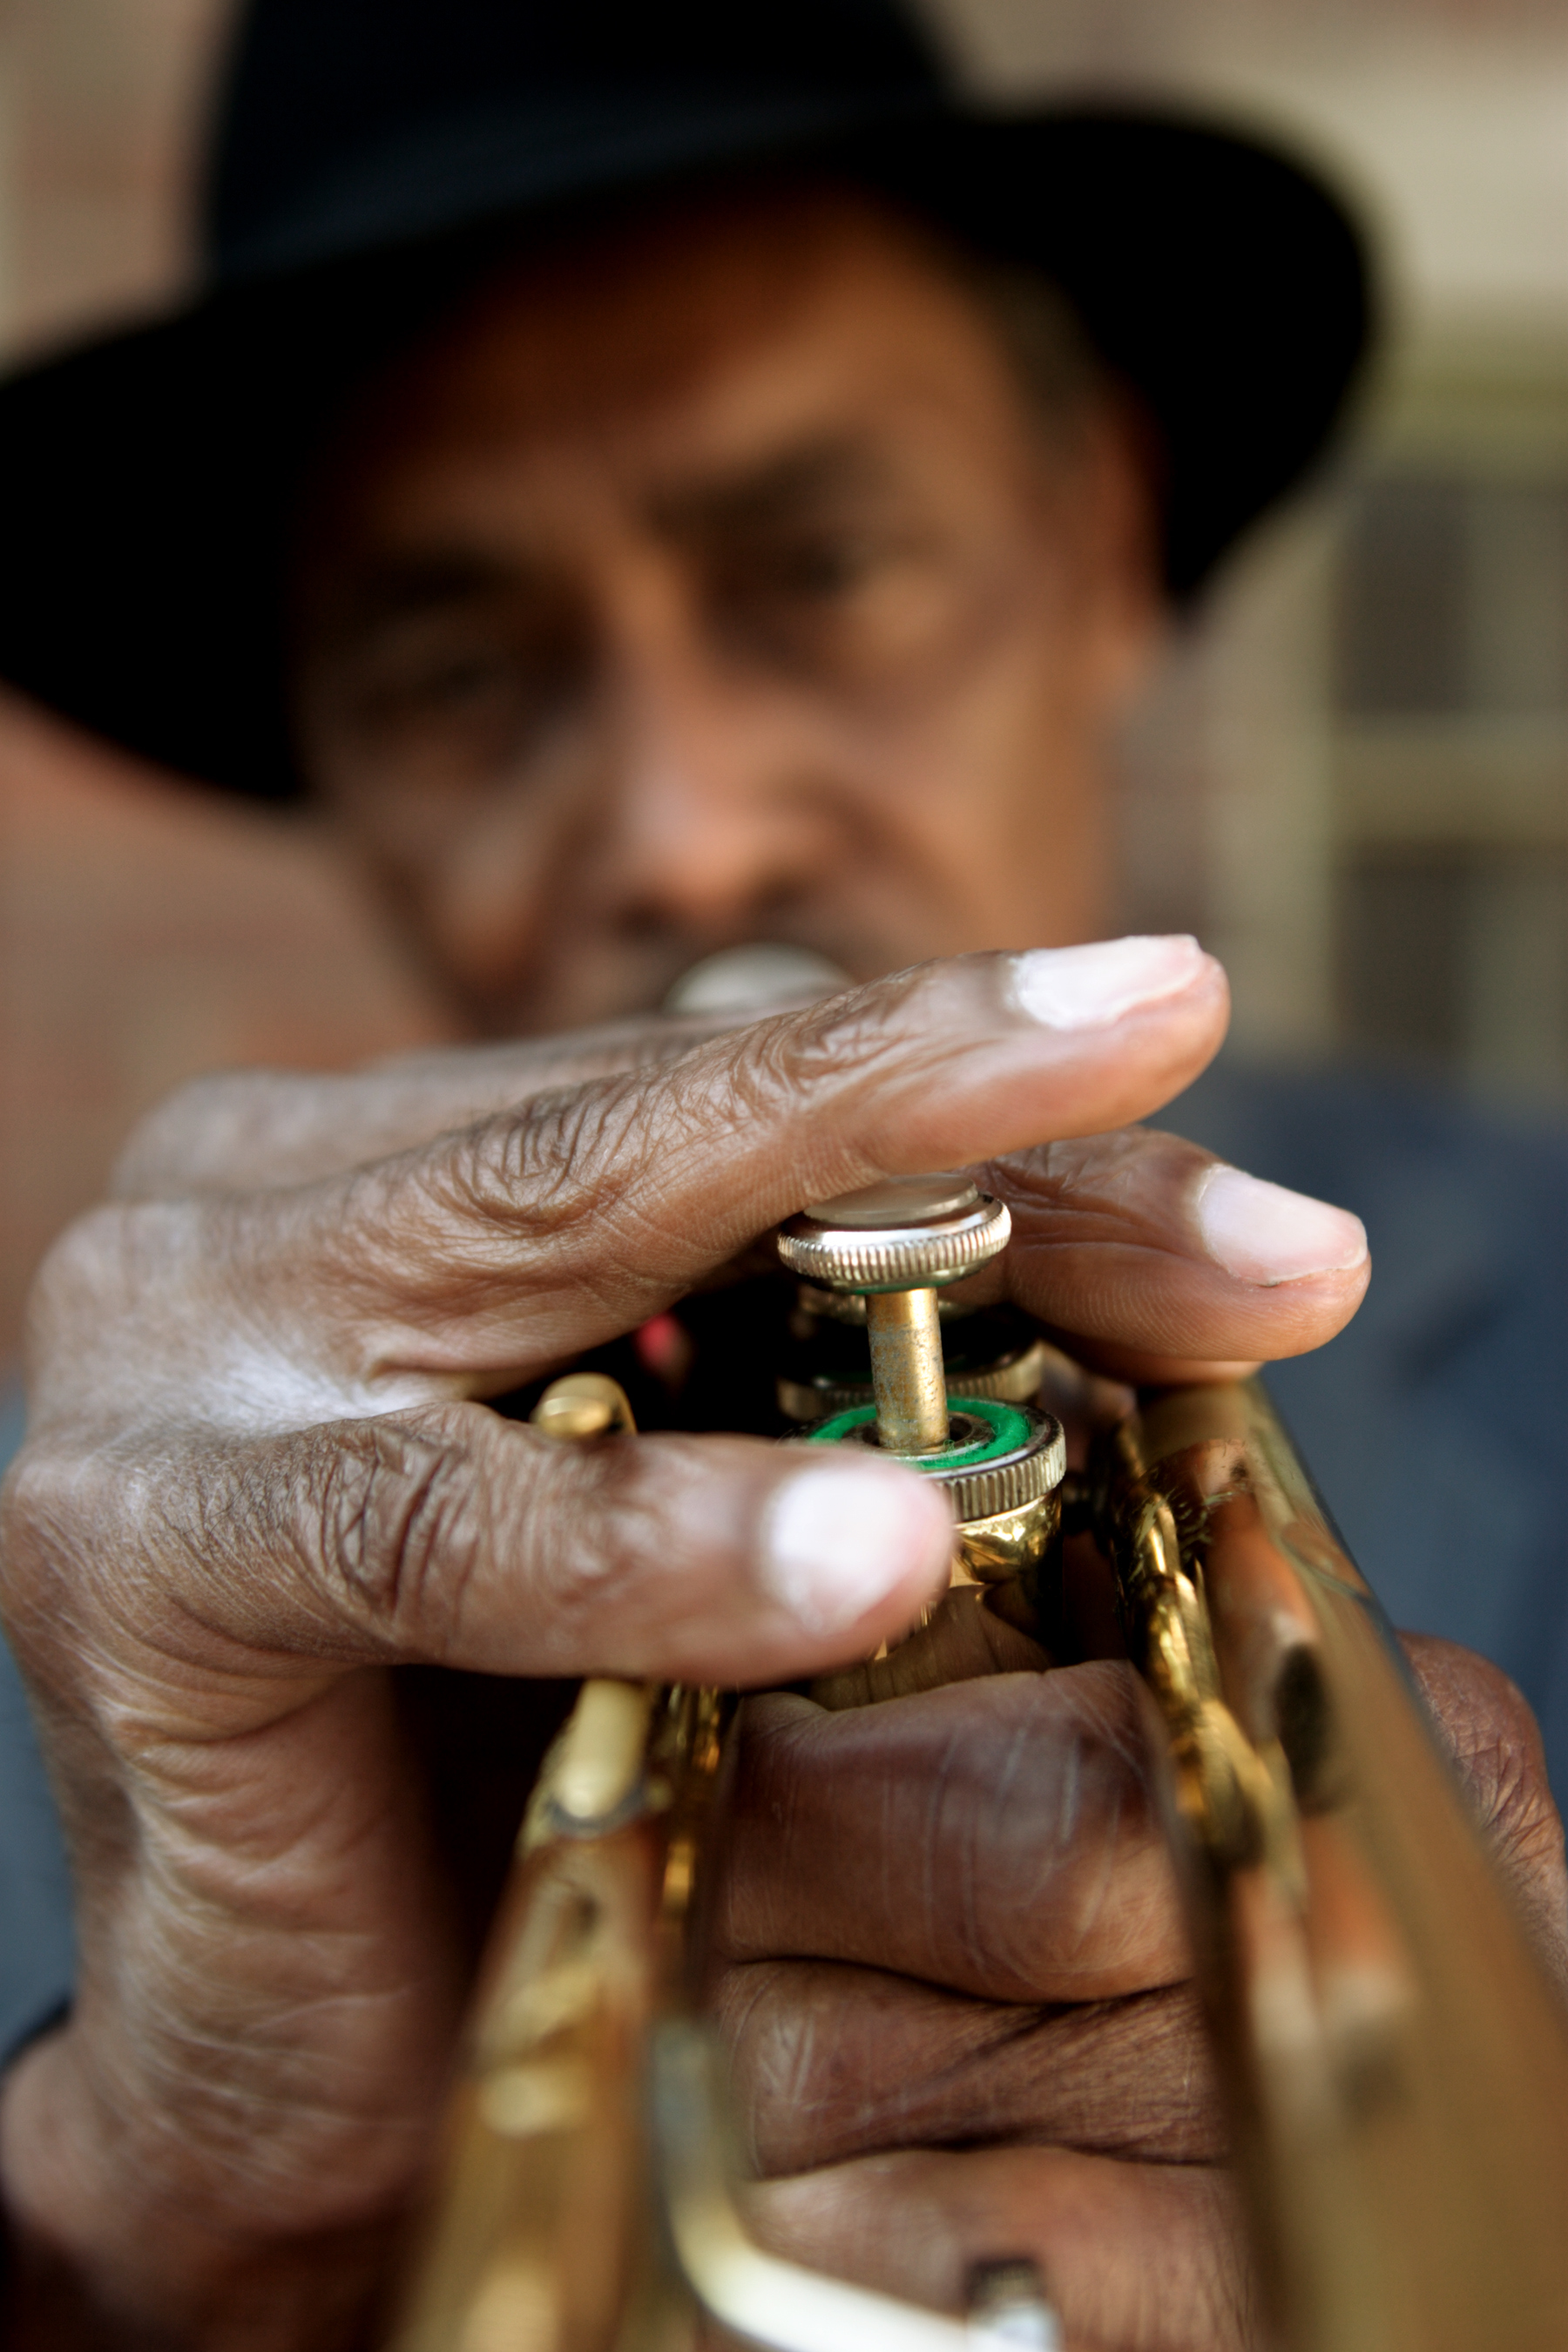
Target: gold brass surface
<point>1014,1379</point>
<point>1395,2062</point>
<point>538,2236</point>
<point>1009,1543</point>
<point>907,1377</point>
<point>581,1405</point>
<point>597,1763</point>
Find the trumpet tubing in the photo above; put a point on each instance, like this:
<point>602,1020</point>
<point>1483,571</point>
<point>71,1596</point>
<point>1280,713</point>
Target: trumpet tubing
<point>1394,2062</point>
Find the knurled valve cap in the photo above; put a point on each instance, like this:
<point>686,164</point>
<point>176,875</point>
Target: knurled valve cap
<point>904,1234</point>
<point>999,1457</point>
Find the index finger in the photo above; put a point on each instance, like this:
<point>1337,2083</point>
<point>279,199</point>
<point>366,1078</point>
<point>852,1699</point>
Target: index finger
<point>495,1254</point>
<point>236,1129</point>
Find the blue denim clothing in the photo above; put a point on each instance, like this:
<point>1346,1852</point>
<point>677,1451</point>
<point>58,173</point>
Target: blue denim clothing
<point>1437,1424</point>
<point>37,1947</point>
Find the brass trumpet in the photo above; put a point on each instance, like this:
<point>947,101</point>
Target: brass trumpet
<point>1394,2062</point>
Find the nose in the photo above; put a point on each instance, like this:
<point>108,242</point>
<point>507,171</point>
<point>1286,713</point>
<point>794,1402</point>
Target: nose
<point>716,810</point>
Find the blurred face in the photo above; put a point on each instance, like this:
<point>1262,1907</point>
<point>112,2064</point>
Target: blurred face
<point>719,581</point>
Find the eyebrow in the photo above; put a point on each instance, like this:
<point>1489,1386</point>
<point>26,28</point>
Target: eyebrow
<point>761,498</point>
<point>397,586</point>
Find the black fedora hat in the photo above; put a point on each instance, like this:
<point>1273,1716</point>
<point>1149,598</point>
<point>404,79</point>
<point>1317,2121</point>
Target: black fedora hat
<point>365,147</point>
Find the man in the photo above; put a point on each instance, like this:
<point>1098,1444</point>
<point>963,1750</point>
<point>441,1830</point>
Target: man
<point>651,509</point>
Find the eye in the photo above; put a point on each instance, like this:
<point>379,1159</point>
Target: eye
<point>465,680</point>
<point>458,681</point>
<point>822,566</point>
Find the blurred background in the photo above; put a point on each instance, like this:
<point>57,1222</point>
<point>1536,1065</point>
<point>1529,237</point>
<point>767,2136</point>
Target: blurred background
<point>1352,779</point>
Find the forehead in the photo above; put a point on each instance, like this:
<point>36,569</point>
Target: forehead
<point>701,337</point>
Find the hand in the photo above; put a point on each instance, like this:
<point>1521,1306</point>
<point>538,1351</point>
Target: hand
<point>261,1497</point>
<point>953,1974</point>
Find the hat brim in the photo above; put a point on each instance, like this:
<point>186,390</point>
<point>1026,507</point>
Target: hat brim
<point>146,479</point>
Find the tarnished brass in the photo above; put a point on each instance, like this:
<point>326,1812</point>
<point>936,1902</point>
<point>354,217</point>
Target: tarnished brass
<point>907,1370</point>
<point>539,2233</point>
<point>1396,2063</point>
<point>1393,2058</point>
<point>779,2305</point>
<point>546,2231</point>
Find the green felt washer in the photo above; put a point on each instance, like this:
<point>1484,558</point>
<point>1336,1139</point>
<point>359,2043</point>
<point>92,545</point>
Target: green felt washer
<point>1002,1455</point>
<point>1007,1431</point>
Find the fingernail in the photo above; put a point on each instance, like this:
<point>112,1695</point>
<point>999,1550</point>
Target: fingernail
<point>839,1537</point>
<point>1263,1233</point>
<point>1089,987</point>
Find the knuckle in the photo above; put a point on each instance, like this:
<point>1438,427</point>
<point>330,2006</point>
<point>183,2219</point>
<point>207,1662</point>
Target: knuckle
<point>836,1047</point>
<point>30,1500</point>
<point>109,1319</point>
<point>197,1117</point>
<point>415,1516</point>
<point>591,1176</point>
<point>1068,1807</point>
<point>536,1176</point>
<point>238,1130</point>
<point>575,1152</point>
<point>775,1067</point>
<point>1487,1724</point>
<point>597,1174</point>
<point>588,1522</point>
<point>399,1530</point>
<point>1129,1176</point>
<point>86,1271</point>
<point>70,1519</point>
<point>779,1071</point>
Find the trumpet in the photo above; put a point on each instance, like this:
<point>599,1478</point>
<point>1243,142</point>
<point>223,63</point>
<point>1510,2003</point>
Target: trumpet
<point>1392,2062</point>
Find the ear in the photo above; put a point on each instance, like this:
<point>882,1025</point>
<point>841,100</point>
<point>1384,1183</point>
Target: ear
<point>1126,612</point>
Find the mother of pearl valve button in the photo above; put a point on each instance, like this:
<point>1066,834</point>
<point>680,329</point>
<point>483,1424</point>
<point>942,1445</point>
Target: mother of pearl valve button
<point>898,1201</point>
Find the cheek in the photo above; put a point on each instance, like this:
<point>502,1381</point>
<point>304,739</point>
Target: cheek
<point>469,877</point>
<point>1003,697</point>
<point>483,895</point>
<point>995,780</point>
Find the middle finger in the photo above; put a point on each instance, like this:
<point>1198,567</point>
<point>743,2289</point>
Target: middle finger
<point>997,1837</point>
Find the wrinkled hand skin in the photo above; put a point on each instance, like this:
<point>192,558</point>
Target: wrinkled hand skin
<point>262,1499</point>
<point>954,1977</point>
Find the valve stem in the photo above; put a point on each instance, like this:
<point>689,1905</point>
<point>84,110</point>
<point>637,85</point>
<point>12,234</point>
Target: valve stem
<point>908,1380</point>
